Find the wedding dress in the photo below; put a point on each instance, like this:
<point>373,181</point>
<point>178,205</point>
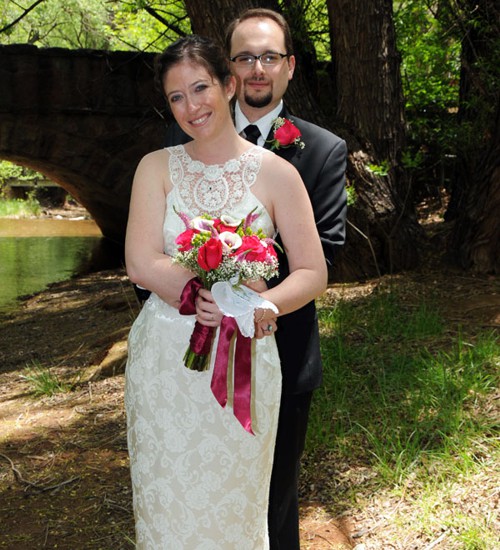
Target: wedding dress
<point>200,481</point>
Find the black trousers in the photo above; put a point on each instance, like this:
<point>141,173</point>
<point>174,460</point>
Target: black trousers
<point>283,516</point>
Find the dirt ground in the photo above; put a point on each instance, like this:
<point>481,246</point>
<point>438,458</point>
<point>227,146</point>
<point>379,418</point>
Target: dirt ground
<point>64,480</point>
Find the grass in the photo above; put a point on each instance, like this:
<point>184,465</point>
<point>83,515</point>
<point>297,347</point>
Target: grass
<point>19,208</point>
<point>44,382</point>
<point>408,398</point>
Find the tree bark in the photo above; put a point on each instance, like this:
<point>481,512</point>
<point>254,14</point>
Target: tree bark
<point>475,203</point>
<point>370,103</point>
<point>368,77</point>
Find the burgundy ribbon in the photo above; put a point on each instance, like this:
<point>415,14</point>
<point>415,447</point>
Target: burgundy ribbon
<point>201,338</point>
<point>188,296</point>
<point>242,372</point>
<point>201,341</point>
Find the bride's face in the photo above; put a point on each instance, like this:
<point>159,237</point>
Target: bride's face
<point>199,102</point>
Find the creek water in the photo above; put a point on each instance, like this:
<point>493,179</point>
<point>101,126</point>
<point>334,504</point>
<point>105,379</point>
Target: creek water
<point>37,252</point>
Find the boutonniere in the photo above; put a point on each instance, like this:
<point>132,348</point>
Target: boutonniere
<point>285,134</point>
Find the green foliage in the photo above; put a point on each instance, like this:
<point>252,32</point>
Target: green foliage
<point>430,70</point>
<point>351,194</point>
<point>148,25</point>
<point>430,74</point>
<point>58,23</point>
<point>310,25</point>
<point>430,57</point>
<point>111,25</point>
<point>381,169</point>
<point>20,208</point>
<point>10,171</point>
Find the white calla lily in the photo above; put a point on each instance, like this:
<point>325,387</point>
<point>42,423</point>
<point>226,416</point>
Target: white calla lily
<point>229,221</point>
<point>202,224</point>
<point>230,241</point>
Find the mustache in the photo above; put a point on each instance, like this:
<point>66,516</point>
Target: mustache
<point>256,79</point>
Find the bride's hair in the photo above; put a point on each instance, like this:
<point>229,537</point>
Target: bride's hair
<point>197,49</point>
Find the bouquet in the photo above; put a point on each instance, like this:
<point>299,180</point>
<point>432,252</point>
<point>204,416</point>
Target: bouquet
<point>215,250</point>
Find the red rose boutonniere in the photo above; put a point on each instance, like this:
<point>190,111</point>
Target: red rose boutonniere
<point>285,134</point>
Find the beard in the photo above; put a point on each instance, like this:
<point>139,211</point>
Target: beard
<point>258,101</point>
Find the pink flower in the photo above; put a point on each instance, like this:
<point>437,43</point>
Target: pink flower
<point>270,248</point>
<point>184,240</point>
<point>252,249</point>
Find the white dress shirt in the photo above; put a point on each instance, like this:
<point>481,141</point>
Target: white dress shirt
<point>264,124</point>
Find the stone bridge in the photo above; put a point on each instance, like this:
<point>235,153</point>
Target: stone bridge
<point>83,118</point>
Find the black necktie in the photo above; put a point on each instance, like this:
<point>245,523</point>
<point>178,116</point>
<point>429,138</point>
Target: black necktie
<point>252,133</point>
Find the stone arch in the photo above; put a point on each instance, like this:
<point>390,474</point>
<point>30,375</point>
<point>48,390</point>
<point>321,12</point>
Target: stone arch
<point>84,118</point>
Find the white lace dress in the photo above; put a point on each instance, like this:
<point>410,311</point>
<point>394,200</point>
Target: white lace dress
<point>200,481</point>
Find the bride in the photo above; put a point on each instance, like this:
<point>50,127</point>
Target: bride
<point>200,481</point>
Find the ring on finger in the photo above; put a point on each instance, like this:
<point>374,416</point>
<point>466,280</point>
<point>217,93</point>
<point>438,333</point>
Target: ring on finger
<point>269,328</point>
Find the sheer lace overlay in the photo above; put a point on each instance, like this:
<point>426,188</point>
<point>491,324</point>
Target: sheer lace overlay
<point>214,189</point>
<point>200,481</point>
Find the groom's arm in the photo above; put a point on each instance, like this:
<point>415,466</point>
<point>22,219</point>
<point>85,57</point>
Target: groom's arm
<point>322,165</point>
<point>329,201</point>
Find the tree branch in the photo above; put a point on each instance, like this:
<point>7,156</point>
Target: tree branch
<point>163,21</point>
<point>22,16</point>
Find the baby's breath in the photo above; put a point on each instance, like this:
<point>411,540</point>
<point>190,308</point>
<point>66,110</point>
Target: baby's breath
<point>228,268</point>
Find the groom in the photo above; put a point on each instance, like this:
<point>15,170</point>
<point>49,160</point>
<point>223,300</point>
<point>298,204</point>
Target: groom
<point>260,48</point>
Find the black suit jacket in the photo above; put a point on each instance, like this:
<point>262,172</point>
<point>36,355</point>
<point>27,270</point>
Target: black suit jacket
<point>322,165</point>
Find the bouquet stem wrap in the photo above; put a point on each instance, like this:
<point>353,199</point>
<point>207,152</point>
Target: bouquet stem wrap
<point>200,343</point>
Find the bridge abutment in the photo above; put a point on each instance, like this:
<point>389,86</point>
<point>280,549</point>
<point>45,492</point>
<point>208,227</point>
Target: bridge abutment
<point>84,118</point>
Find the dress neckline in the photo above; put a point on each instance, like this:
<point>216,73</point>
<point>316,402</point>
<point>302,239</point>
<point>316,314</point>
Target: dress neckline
<point>221,164</point>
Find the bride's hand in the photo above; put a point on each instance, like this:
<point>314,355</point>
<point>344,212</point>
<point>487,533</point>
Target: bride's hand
<point>265,323</point>
<point>207,312</point>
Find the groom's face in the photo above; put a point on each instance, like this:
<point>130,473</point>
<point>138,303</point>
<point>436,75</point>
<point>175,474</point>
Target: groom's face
<point>260,87</point>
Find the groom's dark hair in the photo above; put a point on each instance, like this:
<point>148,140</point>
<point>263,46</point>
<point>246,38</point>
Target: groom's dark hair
<point>261,13</point>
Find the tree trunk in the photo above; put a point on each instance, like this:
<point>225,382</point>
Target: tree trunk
<point>368,73</point>
<point>381,232</point>
<point>475,204</point>
<point>370,103</point>
<point>212,18</point>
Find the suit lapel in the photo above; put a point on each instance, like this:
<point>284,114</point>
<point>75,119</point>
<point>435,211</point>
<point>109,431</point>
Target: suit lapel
<point>270,136</point>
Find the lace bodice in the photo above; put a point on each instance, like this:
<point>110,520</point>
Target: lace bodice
<point>214,189</point>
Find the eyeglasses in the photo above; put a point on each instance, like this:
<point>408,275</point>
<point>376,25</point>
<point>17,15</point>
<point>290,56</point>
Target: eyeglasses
<point>248,60</point>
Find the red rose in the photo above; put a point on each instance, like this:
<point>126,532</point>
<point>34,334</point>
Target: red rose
<point>287,134</point>
<point>210,254</point>
<point>183,241</point>
<point>252,249</point>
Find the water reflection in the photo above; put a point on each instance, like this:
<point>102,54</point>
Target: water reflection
<point>35,253</point>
